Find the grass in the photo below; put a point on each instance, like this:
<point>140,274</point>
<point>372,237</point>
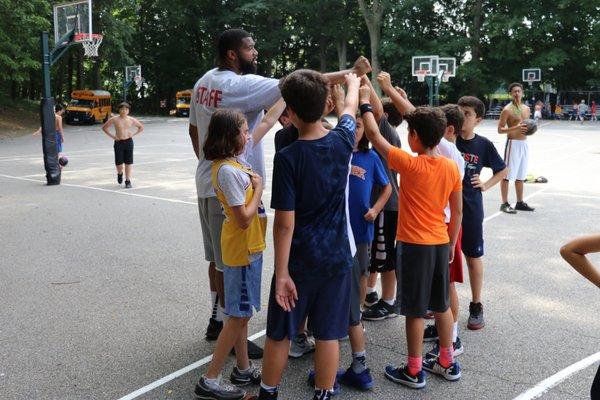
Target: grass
<point>18,118</point>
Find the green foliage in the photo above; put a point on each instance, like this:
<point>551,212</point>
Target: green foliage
<point>174,41</point>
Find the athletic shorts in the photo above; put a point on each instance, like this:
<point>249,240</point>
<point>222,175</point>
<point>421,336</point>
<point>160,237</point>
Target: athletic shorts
<point>211,220</point>
<point>383,249</point>
<point>472,229</point>
<point>424,279</point>
<point>595,392</point>
<point>123,151</point>
<point>242,288</point>
<point>456,266</point>
<point>516,157</point>
<point>58,142</point>
<point>326,302</point>
<point>360,268</point>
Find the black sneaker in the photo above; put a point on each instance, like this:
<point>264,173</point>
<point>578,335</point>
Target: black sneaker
<point>127,184</point>
<point>457,346</point>
<point>263,395</point>
<point>476,320</point>
<point>430,334</point>
<point>506,208</point>
<point>452,373</point>
<point>400,375</point>
<point>522,206</point>
<point>253,375</point>
<point>255,352</point>
<point>119,178</point>
<point>379,311</point>
<point>323,394</point>
<point>213,329</point>
<point>371,299</point>
<point>219,391</point>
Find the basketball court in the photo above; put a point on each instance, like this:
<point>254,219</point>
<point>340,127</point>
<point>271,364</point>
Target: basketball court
<point>105,291</point>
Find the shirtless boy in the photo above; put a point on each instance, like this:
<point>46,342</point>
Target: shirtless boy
<point>516,153</point>
<point>123,138</point>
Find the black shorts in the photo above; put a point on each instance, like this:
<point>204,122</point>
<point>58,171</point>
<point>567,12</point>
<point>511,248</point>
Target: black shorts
<point>383,249</point>
<point>123,151</point>
<point>472,229</point>
<point>424,278</point>
<point>325,301</point>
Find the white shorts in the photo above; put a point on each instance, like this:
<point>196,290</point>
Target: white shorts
<point>516,157</point>
<point>537,115</point>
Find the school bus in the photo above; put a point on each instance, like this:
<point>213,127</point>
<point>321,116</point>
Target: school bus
<point>182,103</point>
<point>88,106</point>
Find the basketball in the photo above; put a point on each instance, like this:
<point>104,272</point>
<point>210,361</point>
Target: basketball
<point>63,161</point>
<point>531,127</point>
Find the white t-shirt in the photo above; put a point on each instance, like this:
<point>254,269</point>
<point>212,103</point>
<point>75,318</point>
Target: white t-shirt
<point>251,94</point>
<point>449,150</point>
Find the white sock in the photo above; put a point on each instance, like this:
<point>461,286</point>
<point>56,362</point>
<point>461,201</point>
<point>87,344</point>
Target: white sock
<point>220,313</point>
<point>370,290</point>
<point>390,302</point>
<point>454,331</point>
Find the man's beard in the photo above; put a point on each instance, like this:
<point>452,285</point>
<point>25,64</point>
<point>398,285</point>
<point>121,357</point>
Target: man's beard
<point>247,67</point>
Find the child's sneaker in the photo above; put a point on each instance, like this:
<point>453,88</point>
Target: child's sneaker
<point>362,381</point>
<point>400,375</point>
<point>522,206</point>
<point>452,373</point>
<point>263,395</point>
<point>241,378</point>
<point>371,299</point>
<point>506,208</point>
<point>379,311</point>
<point>217,391</point>
<point>301,345</point>
<point>119,178</point>
<point>127,184</point>
<point>213,329</point>
<point>476,320</point>
<point>458,349</point>
<point>430,334</point>
<point>337,389</point>
<point>323,394</point>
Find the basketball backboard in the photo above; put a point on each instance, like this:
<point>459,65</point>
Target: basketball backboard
<point>447,65</point>
<point>131,72</point>
<point>532,75</point>
<point>74,15</point>
<point>427,65</point>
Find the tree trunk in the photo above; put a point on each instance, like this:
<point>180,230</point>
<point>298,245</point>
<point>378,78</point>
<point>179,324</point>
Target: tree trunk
<point>474,84</point>
<point>323,54</point>
<point>373,21</point>
<point>13,90</point>
<point>342,50</point>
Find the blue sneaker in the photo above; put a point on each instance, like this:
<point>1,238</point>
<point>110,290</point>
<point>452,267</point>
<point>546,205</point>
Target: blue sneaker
<point>452,373</point>
<point>400,375</point>
<point>337,389</point>
<point>362,381</point>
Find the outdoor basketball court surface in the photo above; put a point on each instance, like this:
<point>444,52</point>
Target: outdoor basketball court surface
<point>104,291</point>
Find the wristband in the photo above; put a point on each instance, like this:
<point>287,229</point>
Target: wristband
<point>365,108</point>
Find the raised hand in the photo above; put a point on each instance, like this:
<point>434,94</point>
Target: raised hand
<point>352,80</point>
<point>362,66</point>
<point>364,94</point>
<point>385,81</point>
<point>401,91</point>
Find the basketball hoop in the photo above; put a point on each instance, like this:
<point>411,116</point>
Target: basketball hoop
<point>421,74</point>
<point>138,80</point>
<point>90,42</point>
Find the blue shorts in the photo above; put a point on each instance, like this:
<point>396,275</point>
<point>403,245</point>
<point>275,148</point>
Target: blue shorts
<point>242,289</point>
<point>58,143</point>
<point>472,237</point>
<point>325,301</point>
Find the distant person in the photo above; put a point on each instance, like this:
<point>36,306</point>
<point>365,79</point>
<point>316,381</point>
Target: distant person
<point>574,112</point>
<point>558,110</point>
<point>537,114</point>
<point>516,153</point>
<point>593,110</point>
<point>582,111</point>
<point>123,138</point>
<point>58,128</point>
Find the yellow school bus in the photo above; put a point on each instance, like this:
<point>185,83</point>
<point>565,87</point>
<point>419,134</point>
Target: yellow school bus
<point>182,103</point>
<point>88,106</point>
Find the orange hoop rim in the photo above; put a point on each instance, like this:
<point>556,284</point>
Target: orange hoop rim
<point>82,37</point>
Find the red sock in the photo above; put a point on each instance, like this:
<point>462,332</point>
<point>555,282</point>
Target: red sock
<point>446,358</point>
<point>415,364</point>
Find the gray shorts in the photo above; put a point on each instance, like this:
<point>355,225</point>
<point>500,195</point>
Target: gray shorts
<point>211,220</point>
<point>360,267</point>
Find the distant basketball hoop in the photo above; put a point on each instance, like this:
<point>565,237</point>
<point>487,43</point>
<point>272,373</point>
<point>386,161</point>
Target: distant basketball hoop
<point>421,74</point>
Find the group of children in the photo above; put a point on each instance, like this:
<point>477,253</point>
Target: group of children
<point>341,212</point>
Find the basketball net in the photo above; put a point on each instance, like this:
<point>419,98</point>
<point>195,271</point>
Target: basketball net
<point>90,42</point>
<point>421,74</point>
<point>446,77</point>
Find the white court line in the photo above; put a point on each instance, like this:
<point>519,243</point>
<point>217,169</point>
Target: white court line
<point>555,379</point>
<point>178,373</point>
<point>577,196</point>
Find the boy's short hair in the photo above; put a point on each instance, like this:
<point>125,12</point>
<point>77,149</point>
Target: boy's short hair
<point>513,85</point>
<point>454,116</point>
<point>224,139</point>
<point>429,123</point>
<point>305,92</point>
<point>231,39</point>
<point>58,107</point>
<point>124,104</point>
<point>474,103</point>
<point>393,115</point>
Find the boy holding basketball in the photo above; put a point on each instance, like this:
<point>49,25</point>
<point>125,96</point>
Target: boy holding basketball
<point>123,138</point>
<point>478,152</point>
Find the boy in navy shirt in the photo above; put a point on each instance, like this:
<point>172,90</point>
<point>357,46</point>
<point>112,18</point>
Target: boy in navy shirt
<point>478,152</point>
<point>313,244</point>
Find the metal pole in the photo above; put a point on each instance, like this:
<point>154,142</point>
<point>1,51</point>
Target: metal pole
<point>437,84</point>
<point>47,118</point>
<point>430,83</point>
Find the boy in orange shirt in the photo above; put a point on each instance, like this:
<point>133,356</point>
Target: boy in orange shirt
<point>427,184</point>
